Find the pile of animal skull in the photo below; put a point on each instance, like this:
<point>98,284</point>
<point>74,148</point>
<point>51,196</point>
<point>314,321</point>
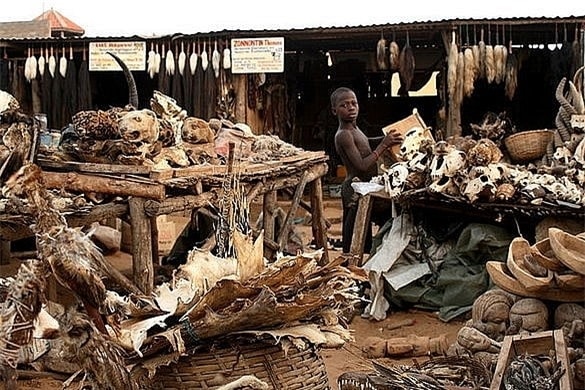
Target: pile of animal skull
<point>473,170</point>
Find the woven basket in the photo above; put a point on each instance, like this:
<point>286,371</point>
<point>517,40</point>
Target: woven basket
<point>211,368</point>
<point>528,145</point>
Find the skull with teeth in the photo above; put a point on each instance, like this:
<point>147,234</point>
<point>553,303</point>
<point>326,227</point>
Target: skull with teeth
<point>415,140</point>
<point>480,188</point>
<point>140,128</point>
<point>395,179</point>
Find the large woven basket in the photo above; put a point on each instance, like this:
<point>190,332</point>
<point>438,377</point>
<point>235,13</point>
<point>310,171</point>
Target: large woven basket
<point>213,367</point>
<point>528,145</point>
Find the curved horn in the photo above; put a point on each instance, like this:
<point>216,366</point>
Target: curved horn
<point>132,91</point>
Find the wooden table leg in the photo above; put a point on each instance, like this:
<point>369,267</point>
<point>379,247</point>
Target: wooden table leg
<point>285,228</point>
<point>318,219</point>
<point>268,223</point>
<point>360,230</point>
<point>4,252</point>
<point>142,265</point>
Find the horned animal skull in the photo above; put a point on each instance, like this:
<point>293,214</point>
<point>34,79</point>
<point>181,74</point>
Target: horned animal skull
<point>414,139</point>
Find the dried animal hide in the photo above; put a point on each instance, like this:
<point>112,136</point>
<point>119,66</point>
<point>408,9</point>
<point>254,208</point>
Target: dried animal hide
<point>215,60</point>
<point>204,58</point>
<point>476,60</point>
<point>41,63</point>
<point>381,55</point>
<point>52,64</point>
<point>151,63</point>
<point>459,87</point>
<point>452,70</point>
<point>227,58</point>
<point>394,55</point>
<point>468,73</point>
<point>170,62</point>
<point>63,66</point>
<point>482,59</point>
<point>511,76</point>
<point>406,70</point>
<point>193,59</point>
<point>182,60</point>
<point>490,64</point>
<point>499,63</point>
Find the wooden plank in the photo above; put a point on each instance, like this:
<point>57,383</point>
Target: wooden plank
<point>362,220</point>
<point>94,167</point>
<point>318,220</point>
<point>4,252</point>
<point>78,182</point>
<point>179,203</point>
<point>142,263</point>
<point>283,234</point>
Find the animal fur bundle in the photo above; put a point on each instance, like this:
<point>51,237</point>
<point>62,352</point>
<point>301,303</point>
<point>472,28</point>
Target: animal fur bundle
<point>499,63</point>
<point>63,66</point>
<point>204,58</point>
<point>476,59</point>
<point>511,76</point>
<point>215,60</point>
<point>482,59</point>
<point>490,64</point>
<point>394,55</point>
<point>227,58</point>
<point>193,58</point>
<point>459,86</point>
<point>30,67</point>
<point>41,62</point>
<point>406,69</point>
<point>468,73</point>
<point>381,54</point>
<point>151,62</point>
<point>52,64</point>
<point>452,70</point>
<point>170,62</point>
<point>182,60</point>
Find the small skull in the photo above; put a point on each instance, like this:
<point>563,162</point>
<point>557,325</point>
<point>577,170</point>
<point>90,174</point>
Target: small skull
<point>414,140</point>
<point>139,127</point>
<point>445,186</point>
<point>395,179</point>
<point>480,188</point>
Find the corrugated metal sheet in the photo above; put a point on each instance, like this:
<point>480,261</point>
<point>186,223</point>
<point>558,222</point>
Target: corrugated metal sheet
<point>25,30</point>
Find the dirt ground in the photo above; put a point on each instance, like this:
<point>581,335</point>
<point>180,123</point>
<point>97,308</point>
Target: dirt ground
<point>337,361</point>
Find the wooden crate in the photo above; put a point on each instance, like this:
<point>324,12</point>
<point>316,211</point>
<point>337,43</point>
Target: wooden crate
<point>403,126</point>
<point>533,344</point>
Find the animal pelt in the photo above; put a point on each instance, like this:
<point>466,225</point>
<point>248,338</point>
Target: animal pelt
<point>468,73</point>
<point>482,59</point>
<point>381,56</point>
<point>511,76</point>
<point>475,51</point>
<point>499,63</point>
<point>490,64</point>
<point>406,69</point>
<point>452,70</point>
<point>459,87</point>
<point>394,55</point>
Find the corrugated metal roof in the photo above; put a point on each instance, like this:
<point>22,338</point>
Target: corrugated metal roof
<point>25,30</point>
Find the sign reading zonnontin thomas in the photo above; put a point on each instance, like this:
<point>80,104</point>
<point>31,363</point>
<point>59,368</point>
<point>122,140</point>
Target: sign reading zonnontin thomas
<point>258,55</point>
<point>132,53</point>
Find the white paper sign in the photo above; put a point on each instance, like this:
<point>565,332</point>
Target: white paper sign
<point>258,55</point>
<point>132,53</point>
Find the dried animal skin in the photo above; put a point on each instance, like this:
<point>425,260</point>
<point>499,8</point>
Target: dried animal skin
<point>151,63</point>
<point>476,59</point>
<point>381,54</point>
<point>511,76</point>
<point>459,86</point>
<point>52,64</point>
<point>490,64</point>
<point>41,63</point>
<point>181,60</point>
<point>215,60</point>
<point>468,73</point>
<point>482,59</point>
<point>406,69</point>
<point>170,62</point>
<point>157,61</point>
<point>502,70</point>
<point>227,58</point>
<point>204,58</point>
<point>63,66</point>
<point>394,55</point>
<point>452,70</point>
<point>193,59</point>
<point>499,63</point>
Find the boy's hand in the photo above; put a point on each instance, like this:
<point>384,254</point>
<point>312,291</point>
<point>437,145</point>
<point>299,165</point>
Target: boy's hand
<point>392,138</point>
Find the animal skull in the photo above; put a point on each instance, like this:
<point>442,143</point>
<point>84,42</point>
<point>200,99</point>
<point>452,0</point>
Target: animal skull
<point>395,179</point>
<point>414,139</point>
<point>481,187</point>
<point>139,126</point>
<point>419,162</point>
<point>445,186</point>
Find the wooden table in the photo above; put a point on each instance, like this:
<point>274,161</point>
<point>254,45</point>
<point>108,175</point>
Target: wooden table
<point>148,194</point>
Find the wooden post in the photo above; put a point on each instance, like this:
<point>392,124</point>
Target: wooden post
<point>362,220</point>
<point>142,266</point>
<point>318,220</point>
<point>268,221</point>
<point>283,234</point>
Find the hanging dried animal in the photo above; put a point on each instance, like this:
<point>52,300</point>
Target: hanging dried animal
<point>469,73</point>
<point>193,60</point>
<point>63,64</point>
<point>204,58</point>
<point>482,57</point>
<point>407,67</point>
<point>41,63</point>
<point>381,55</point>
<point>394,55</point>
<point>490,64</point>
<point>30,67</point>
<point>452,69</point>
<point>52,63</point>
<point>499,63</point>
<point>170,62</point>
<point>476,61</point>
<point>215,59</point>
<point>460,81</point>
<point>157,60</point>
<point>227,58</point>
<point>182,59</point>
<point>151,61</point>
<point>511,75</point>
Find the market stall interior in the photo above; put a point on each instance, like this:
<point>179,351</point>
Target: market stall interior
<point>487,195</point>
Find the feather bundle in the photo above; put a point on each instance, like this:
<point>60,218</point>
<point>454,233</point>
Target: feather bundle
<point>193,61</point>
<point>215,60</point>
<point>381,54</point>
<point>170,62</point>
<point>227,58</point>
<point>490,64</point>
<point>394,56</point>
<point>452,69</point>
<point>468,73</point>
<point>182,59</point>
<point>511,75</point>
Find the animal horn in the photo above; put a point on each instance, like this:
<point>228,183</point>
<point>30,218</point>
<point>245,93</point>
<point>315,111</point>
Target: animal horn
<point>132,91</point>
